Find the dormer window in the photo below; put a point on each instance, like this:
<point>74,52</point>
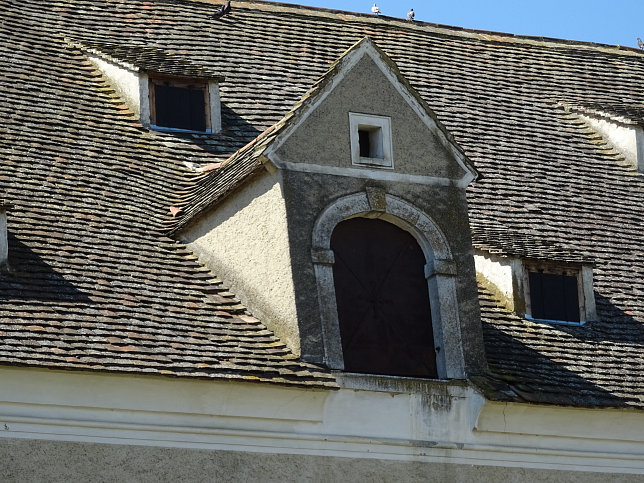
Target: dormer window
<point>370,140</point>
<point>554,293</point>
<point>165,91</point>
<point>540,290</point>
<point>181,104</point>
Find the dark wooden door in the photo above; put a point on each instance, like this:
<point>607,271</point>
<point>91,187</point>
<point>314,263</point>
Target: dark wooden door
<point>382,299</point>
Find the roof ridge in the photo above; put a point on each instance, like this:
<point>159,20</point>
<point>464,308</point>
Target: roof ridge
<point>438,28</point>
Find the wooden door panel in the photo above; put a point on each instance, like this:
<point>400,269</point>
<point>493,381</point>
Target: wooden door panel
<point>382,299</point>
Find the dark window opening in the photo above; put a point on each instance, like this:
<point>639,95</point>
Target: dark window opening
<point>180,107</point>
<point>370,141</point>
<point>382,299</point>
<point>363,139</point>
<point>554,296</point>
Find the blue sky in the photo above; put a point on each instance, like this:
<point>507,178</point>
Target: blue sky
<point>609,22</point>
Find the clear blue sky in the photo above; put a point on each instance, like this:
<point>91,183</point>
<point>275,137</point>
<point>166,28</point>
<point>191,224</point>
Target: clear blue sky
<point>603,21</point>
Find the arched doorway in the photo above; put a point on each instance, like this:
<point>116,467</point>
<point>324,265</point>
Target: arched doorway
<point>382,300</point>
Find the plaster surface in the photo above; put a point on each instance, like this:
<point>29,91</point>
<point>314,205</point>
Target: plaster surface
<point>36,460</point>
<point>505,274</point>
<point>124,81</point>
<point>323,138</point>
<point>245,242</point>
<point>307,195</point>
<point>57,425</point>
<point>629,139</point>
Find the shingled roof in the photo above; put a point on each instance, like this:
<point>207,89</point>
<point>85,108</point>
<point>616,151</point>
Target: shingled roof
<point>95,283</point>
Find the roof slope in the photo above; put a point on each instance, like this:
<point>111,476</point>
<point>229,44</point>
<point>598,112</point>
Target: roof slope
<point>93,284</point>
<point>545,175</point>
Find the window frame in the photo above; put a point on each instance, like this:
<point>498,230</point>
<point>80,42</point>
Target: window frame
<point>379,126</point>
<point>179,82</point>
<point>555,269</point>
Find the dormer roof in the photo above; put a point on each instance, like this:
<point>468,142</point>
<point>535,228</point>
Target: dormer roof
<point>145,58</point>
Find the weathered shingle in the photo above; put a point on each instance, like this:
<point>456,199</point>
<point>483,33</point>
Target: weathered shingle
<point>95,284</point>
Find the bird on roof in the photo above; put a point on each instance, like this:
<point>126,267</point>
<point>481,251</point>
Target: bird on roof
<point>223,10</point>
<point>375,9</point>
<point>640,44</point>
<point>410,15</point>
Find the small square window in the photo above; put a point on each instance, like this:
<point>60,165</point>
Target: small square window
<point>370,140</point>
<point>554,293</point>
<point>179,105</point>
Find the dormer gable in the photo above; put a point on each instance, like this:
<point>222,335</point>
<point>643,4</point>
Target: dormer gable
<point>363,119</point>
<point>164,91</point>
<point>360,166</point>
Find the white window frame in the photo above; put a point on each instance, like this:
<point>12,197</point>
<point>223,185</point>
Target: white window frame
<point>584,274</point>
<point>211,100</point>
<point>380,126</point>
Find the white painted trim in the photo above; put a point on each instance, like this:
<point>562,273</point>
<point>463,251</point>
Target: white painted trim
<point>144,99</point>
<point>176,129</point>
<point>215,107</point>
<point>346,64</point>
<point>429,422</point>
<point>553,321</point>
<point>365,173</point>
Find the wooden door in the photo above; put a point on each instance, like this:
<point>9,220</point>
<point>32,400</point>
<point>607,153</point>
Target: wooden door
<point>382,298</point>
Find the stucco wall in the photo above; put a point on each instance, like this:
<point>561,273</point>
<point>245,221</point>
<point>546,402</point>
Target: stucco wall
<point>33,461</point>
<point>124,81</point>
<point>117,427</point>
<point>244,241</point>
<point>505,276</point>
<point>323,138</point>
<point>317,170</point>
<point>308,194</point>
<point>628,139</point>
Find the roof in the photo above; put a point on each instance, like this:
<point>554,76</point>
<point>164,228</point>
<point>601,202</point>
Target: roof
<point>212,184</point>
<point>144,58</point>
<point>99,286</point>
<point>618,113</point>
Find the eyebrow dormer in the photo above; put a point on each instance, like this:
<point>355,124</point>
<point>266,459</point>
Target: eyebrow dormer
<point>164,91</point>
<point>622,126</point>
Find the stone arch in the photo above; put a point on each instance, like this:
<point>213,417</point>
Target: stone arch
<point>440,271</point>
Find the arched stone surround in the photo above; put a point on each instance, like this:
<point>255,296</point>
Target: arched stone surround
<point>440,271</point>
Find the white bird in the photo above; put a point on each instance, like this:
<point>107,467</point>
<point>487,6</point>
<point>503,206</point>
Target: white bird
<point>375,9</point>
<point>410,15</point>
<point>640,44</point>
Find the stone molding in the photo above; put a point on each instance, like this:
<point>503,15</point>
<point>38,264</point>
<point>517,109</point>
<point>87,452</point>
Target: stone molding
<point>440,271</point>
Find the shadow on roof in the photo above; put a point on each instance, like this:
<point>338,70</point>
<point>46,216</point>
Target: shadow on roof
<point>30,278</point>
<point>614,325</point>
<point>236,133</point>
<point>561,378</point>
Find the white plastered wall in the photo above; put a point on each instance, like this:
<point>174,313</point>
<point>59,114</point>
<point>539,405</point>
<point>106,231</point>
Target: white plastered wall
<point>629,139</point>
<point>503,273</point>
<point>408,421</point>
<point>124,81</point>
<point>245,243</point>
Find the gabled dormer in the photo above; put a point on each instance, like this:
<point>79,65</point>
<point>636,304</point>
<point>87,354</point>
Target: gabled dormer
<point>164,91</point>
<point>344,228</point>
